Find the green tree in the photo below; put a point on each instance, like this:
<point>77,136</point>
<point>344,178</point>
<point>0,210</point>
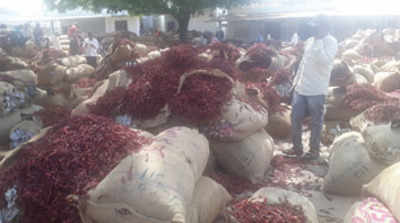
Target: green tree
<point>181,10</point>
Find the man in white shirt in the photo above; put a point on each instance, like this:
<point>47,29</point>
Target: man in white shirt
<point>91,48</point>
<point>311,86</point>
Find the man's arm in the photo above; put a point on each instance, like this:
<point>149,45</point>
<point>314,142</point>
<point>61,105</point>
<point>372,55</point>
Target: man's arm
<point>326,52</point>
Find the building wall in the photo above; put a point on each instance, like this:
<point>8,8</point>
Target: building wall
<point>202,23</point>
<point>246,31</point>
<point>133,23</point>
<point>199,23</point>
<point>94,25</point>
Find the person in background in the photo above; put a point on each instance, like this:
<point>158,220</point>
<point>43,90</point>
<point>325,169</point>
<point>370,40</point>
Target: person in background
<point>91,46</point>
<point>220,35</point>
<point>75,40</point>
<point>311,86</point>
<point>260,38</point>
<point>37,34</point>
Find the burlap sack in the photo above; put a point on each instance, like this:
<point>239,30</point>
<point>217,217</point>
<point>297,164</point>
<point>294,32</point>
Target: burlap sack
<point>8,63</point>
<point>209,199</point>
<point>276,196</point>
<point>9,121</point>
<point>366,71</point>
<point>23,132</point>
<point>154,185</point>
<point>280,125</point>
<point>52,74</point>
<point>249,158</point>
<point>368,211</point>
<point>21,78</point>
<point>351,56</point>
<point>73,61</point>
<point>336,108</point>
<point>360,79</point>
<point>238,121</point>
<point>11,157</point>
<point>341,75</point>
<point>117,79</point>
<point>391,66</point>
<point>387,81</point>
<point>386,187</point>
<point>75,73</point>
<point>350,166</point>
<point>383,143</point>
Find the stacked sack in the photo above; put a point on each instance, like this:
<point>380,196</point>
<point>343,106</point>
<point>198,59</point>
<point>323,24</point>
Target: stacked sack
<point>166,177</point>
<point>17,93</point>
<point>358,157</point>
<point>57,75</point>
<point>381,203</point>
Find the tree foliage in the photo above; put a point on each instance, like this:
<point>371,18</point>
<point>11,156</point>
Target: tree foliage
<point>182,10</point>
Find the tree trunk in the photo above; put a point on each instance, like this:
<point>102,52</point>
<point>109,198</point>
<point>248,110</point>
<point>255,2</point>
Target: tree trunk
<point>183,20</point>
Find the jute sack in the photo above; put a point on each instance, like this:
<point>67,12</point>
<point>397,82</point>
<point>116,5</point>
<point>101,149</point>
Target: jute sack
<point>21,78</point>
<point>8,63</point>
<point>368,211</point>
<point>391,66</point>
<point>23,132</point>
<point>350,166</point>
<point>279,125</point>
<point>360,79</point>
<point>276,196</point>
<point>6,106</point>
<point>366,71</point>
<point>341,75</point>
<point>387,81</point>
<point>73,61</point>
<point>153,185</point>
<point>11,157</point>
<point>238,121</point>
<point>117,79</point>
<point>383,143</point>
<point>336,108</point>
<point>386,187</point>
<point>52,74</point>
<point>80,71</point>
<point>351,56</point>
<point>209,199</point>
<point>9,121</point>
<point>249,158</point>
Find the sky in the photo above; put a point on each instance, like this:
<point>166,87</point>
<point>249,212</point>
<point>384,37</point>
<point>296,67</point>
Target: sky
<point>31,8</point>
<point>23,7</point>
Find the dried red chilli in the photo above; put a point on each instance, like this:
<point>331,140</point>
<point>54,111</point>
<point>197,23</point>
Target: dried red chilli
<point>52,115</point>
<point>361,97</point>
<point>225,51</point>
<point>109,103</point>
<point>383,112</point>
<point>260,56</point>
<point>247,211</point>
<point>233,184</point>
<point>202,98</point>
<point>156,82</point>
<point>72,158</point>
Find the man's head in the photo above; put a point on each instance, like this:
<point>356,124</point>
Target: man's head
<point>321,26</point>
<point>90,35</point>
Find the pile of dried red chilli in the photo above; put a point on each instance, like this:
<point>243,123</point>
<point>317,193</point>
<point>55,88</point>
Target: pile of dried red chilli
<point>53,114</point>
<point>363,96</point>
<point>245,211</point>
<point>235,185</point>
<point>73,157</point>
<point>156,84</point>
